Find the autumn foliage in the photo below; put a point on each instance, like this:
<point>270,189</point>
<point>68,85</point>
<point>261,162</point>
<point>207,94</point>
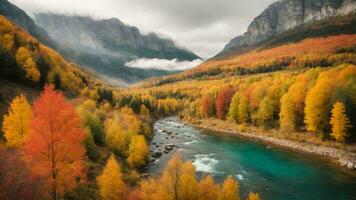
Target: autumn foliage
<point>340,122</point>
<point>54,147</point>
<point>16,123</point>
<point>223,101</point>
<point>110,182</point>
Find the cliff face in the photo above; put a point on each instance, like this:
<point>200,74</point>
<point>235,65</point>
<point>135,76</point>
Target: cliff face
<point>109,36</point>
<point>286,14</point>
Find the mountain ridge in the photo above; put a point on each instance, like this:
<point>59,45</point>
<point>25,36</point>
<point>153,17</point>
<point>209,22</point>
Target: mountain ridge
<point>284,15</point>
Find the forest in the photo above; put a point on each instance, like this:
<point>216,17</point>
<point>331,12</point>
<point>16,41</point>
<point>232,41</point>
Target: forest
<point>79,138</point>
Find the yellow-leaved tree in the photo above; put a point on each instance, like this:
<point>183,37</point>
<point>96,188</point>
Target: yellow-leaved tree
<point>16,123</point>
<point>229,190</point>
<point>253,196</point>
<point>287,114</point>
<point>110,182</point>
<point>339,122</point>
<point>144,111</point>
<point>138,151</point>
<point>208,189</point>
<point>23,57</point>
<point>187,183</point>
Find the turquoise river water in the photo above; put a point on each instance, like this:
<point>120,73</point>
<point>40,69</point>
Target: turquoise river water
<point>275,173</point>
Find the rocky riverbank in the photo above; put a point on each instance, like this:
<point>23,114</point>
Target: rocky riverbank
<point>341,157</point>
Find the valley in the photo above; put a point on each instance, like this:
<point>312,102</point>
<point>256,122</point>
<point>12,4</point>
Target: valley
<point>94,108</point>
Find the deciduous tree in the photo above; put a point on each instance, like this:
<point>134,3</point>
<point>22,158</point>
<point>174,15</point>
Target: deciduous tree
<point>206,106</point>
<point>339,122</point>
<point>138,151</point>
<point>253,196</point>
<point>223,102</point>
<point>187,185</point>
<point>16,123</point>
<point>208,189</point>
<point>54,147</point>
<point>287,116</point>
<point>110,182</point>
<point>229,190</point>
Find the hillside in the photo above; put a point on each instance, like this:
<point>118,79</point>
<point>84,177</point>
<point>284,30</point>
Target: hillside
<point>311,52</point>
<point>102,52</point>
<point>27,65</point>
<point>19,17</point>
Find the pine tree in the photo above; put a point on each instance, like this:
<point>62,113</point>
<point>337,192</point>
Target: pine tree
<point>339,122</point>
<point>110,182</point>
<point>16,123</point>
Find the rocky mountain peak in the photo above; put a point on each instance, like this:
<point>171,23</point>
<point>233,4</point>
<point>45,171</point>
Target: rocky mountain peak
<point>287,14</point>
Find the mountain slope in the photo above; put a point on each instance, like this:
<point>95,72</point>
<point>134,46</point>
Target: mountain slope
<point>20,18</point>
<point>104,46</point>
<point>285,15</point>
<point>25,60</point>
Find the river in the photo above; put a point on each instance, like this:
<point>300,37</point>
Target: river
<point>274,173</point>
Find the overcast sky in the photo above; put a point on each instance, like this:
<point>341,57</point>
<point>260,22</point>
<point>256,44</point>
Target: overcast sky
<point>203,26</point>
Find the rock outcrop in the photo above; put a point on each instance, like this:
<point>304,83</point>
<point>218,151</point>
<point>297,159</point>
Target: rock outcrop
<point>287,14</point>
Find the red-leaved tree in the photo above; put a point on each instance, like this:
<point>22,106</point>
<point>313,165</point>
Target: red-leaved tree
<point>223,102</point>
<point>54,147</point>
<point>16,181</point>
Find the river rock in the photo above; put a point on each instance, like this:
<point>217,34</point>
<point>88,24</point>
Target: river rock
<point>169,147</point>
<point>157,154</point>
<point>350,165</point>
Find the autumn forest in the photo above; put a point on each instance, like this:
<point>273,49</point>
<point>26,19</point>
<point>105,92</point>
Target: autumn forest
<point>68,134</point>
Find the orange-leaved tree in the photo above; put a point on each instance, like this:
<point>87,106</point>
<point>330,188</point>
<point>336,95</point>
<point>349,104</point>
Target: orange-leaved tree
<point>54,147</point>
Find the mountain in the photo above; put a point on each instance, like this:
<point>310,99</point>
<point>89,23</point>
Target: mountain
<point>285,15</point>
<point>20,18</point>
<point>104,46</point>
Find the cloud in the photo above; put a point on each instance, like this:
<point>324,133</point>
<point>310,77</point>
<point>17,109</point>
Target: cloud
<point>163,64</point>
<point>203,26</point>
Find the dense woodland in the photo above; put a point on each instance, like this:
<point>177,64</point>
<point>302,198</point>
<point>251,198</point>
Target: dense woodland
<point>82,139</point>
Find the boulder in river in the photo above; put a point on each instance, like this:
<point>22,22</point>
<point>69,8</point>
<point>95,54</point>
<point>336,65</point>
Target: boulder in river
<point>169,147</point>
<point>157,154</point>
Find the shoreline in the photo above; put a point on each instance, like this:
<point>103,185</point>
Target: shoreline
<point>340,157</point>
